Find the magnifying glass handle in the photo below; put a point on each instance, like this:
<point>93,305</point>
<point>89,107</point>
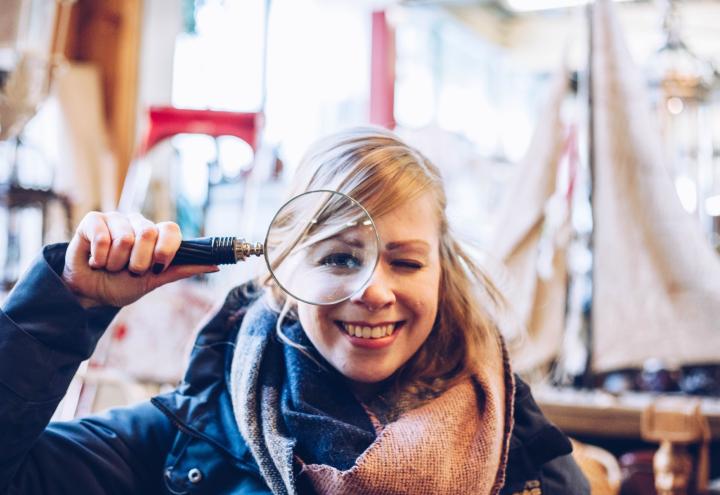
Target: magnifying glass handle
<point>215,251</point>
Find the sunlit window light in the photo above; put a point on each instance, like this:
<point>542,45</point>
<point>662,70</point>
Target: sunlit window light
<point>675,105</point>
<point>712,205</point>
<point>687,193</point>
<point>533,5</point>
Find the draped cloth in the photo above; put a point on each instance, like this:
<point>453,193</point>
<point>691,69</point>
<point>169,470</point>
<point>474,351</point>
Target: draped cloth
<point>299,419</point>
<point>538,302</point>
<point>656,278</point>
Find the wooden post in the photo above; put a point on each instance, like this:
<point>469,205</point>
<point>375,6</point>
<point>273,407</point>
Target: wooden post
<point>107,33</point>
<point>676,422</point>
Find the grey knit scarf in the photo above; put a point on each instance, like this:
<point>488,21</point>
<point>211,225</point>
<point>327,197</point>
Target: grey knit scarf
<point>286,406</point>
<point>295,414</point>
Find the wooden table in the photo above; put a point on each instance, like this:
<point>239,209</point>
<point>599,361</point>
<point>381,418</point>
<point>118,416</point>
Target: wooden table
<point>597,413</point>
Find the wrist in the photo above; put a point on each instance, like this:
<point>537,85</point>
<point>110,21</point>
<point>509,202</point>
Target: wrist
<point>88,303</point>
<point>84,301</point>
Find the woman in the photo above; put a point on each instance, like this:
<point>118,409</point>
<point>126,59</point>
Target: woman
<point>403,388</point>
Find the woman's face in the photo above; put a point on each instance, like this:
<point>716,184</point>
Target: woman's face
<point>368,337</point>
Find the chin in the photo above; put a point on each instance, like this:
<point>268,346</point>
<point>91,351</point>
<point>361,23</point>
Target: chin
<point>363,376</point>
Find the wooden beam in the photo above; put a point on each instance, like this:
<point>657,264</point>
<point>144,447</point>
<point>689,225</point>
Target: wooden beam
<point>107,33</point>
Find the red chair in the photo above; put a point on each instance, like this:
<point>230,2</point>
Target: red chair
<point>165,122</point>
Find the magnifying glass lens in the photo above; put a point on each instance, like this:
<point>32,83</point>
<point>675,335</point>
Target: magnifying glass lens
<point>322,247</point>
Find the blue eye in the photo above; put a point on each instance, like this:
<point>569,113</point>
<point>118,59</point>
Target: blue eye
<point>341,260</point>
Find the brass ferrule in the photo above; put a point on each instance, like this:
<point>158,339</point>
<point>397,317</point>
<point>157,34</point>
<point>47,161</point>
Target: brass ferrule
<point>244,249</point>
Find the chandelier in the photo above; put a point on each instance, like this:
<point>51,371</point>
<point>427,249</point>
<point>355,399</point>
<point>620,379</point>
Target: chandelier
<point>685,89</point>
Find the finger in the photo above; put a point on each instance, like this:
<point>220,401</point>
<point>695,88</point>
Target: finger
<point>167,244</point>
<point>146,234</point>
<point>123,239</point>
<point>93,238</point>
<point>178,272</point>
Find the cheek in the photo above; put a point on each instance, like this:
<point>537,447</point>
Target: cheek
<point>315,322</point>
<point>423,305</point>
<point>424,299</point>
<point>308,317</point>
<point>431,289</point>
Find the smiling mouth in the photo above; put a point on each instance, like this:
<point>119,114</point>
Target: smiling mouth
<point>369,331</point>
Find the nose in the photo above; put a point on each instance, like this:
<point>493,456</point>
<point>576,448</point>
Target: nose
<point>378,293</point>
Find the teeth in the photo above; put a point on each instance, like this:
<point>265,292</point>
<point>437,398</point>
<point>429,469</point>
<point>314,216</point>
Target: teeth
<point>367,332</point>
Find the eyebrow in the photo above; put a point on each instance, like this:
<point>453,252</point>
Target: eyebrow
<point>344,238</point>
<point>410,243</point>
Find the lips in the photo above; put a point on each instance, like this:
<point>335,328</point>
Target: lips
<point>369,331</point>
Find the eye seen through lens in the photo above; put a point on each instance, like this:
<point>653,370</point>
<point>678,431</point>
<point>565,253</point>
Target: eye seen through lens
<point>322,247</point>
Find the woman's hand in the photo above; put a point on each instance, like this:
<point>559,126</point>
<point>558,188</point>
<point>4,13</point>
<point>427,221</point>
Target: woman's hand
<point>114,259</point>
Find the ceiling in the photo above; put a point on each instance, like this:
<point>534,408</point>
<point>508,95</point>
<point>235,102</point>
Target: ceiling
<point>542,38</point>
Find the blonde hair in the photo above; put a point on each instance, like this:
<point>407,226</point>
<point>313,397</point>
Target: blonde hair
<point>376,168</point>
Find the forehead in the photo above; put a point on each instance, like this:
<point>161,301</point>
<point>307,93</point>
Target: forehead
<point>415,219</point>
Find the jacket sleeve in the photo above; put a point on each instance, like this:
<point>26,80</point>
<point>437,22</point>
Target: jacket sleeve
<point>562,475</point>
<point>44,335</point>
<point>540,459</point>
<point>119,452</point>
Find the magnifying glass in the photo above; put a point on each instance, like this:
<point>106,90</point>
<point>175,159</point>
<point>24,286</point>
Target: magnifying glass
<point>321,248</point>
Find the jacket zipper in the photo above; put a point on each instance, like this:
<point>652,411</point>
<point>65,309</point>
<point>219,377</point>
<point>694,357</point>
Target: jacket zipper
<point>198,434</point>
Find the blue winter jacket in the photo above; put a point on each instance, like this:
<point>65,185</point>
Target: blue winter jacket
<point>182,442</point>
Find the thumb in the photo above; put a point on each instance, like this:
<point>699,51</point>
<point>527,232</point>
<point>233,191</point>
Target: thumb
<point>78,250</point>
<point>179,272</point>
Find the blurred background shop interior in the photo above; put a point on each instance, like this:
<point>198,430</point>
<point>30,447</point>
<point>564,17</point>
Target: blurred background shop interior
<point>579,143</point>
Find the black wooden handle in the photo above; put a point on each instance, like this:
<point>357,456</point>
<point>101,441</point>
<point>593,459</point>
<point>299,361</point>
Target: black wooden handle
<point>206,251</point>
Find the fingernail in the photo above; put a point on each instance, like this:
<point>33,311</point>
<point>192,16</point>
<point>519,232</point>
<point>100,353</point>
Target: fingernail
<point>157,268</point>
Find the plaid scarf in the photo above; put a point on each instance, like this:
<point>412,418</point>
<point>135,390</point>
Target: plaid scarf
<point>299,419</point>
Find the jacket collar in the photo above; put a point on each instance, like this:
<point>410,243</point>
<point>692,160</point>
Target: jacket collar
<point>201,404</point>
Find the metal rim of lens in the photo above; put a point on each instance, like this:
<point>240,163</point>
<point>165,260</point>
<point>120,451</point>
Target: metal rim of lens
<point>377,243</point>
